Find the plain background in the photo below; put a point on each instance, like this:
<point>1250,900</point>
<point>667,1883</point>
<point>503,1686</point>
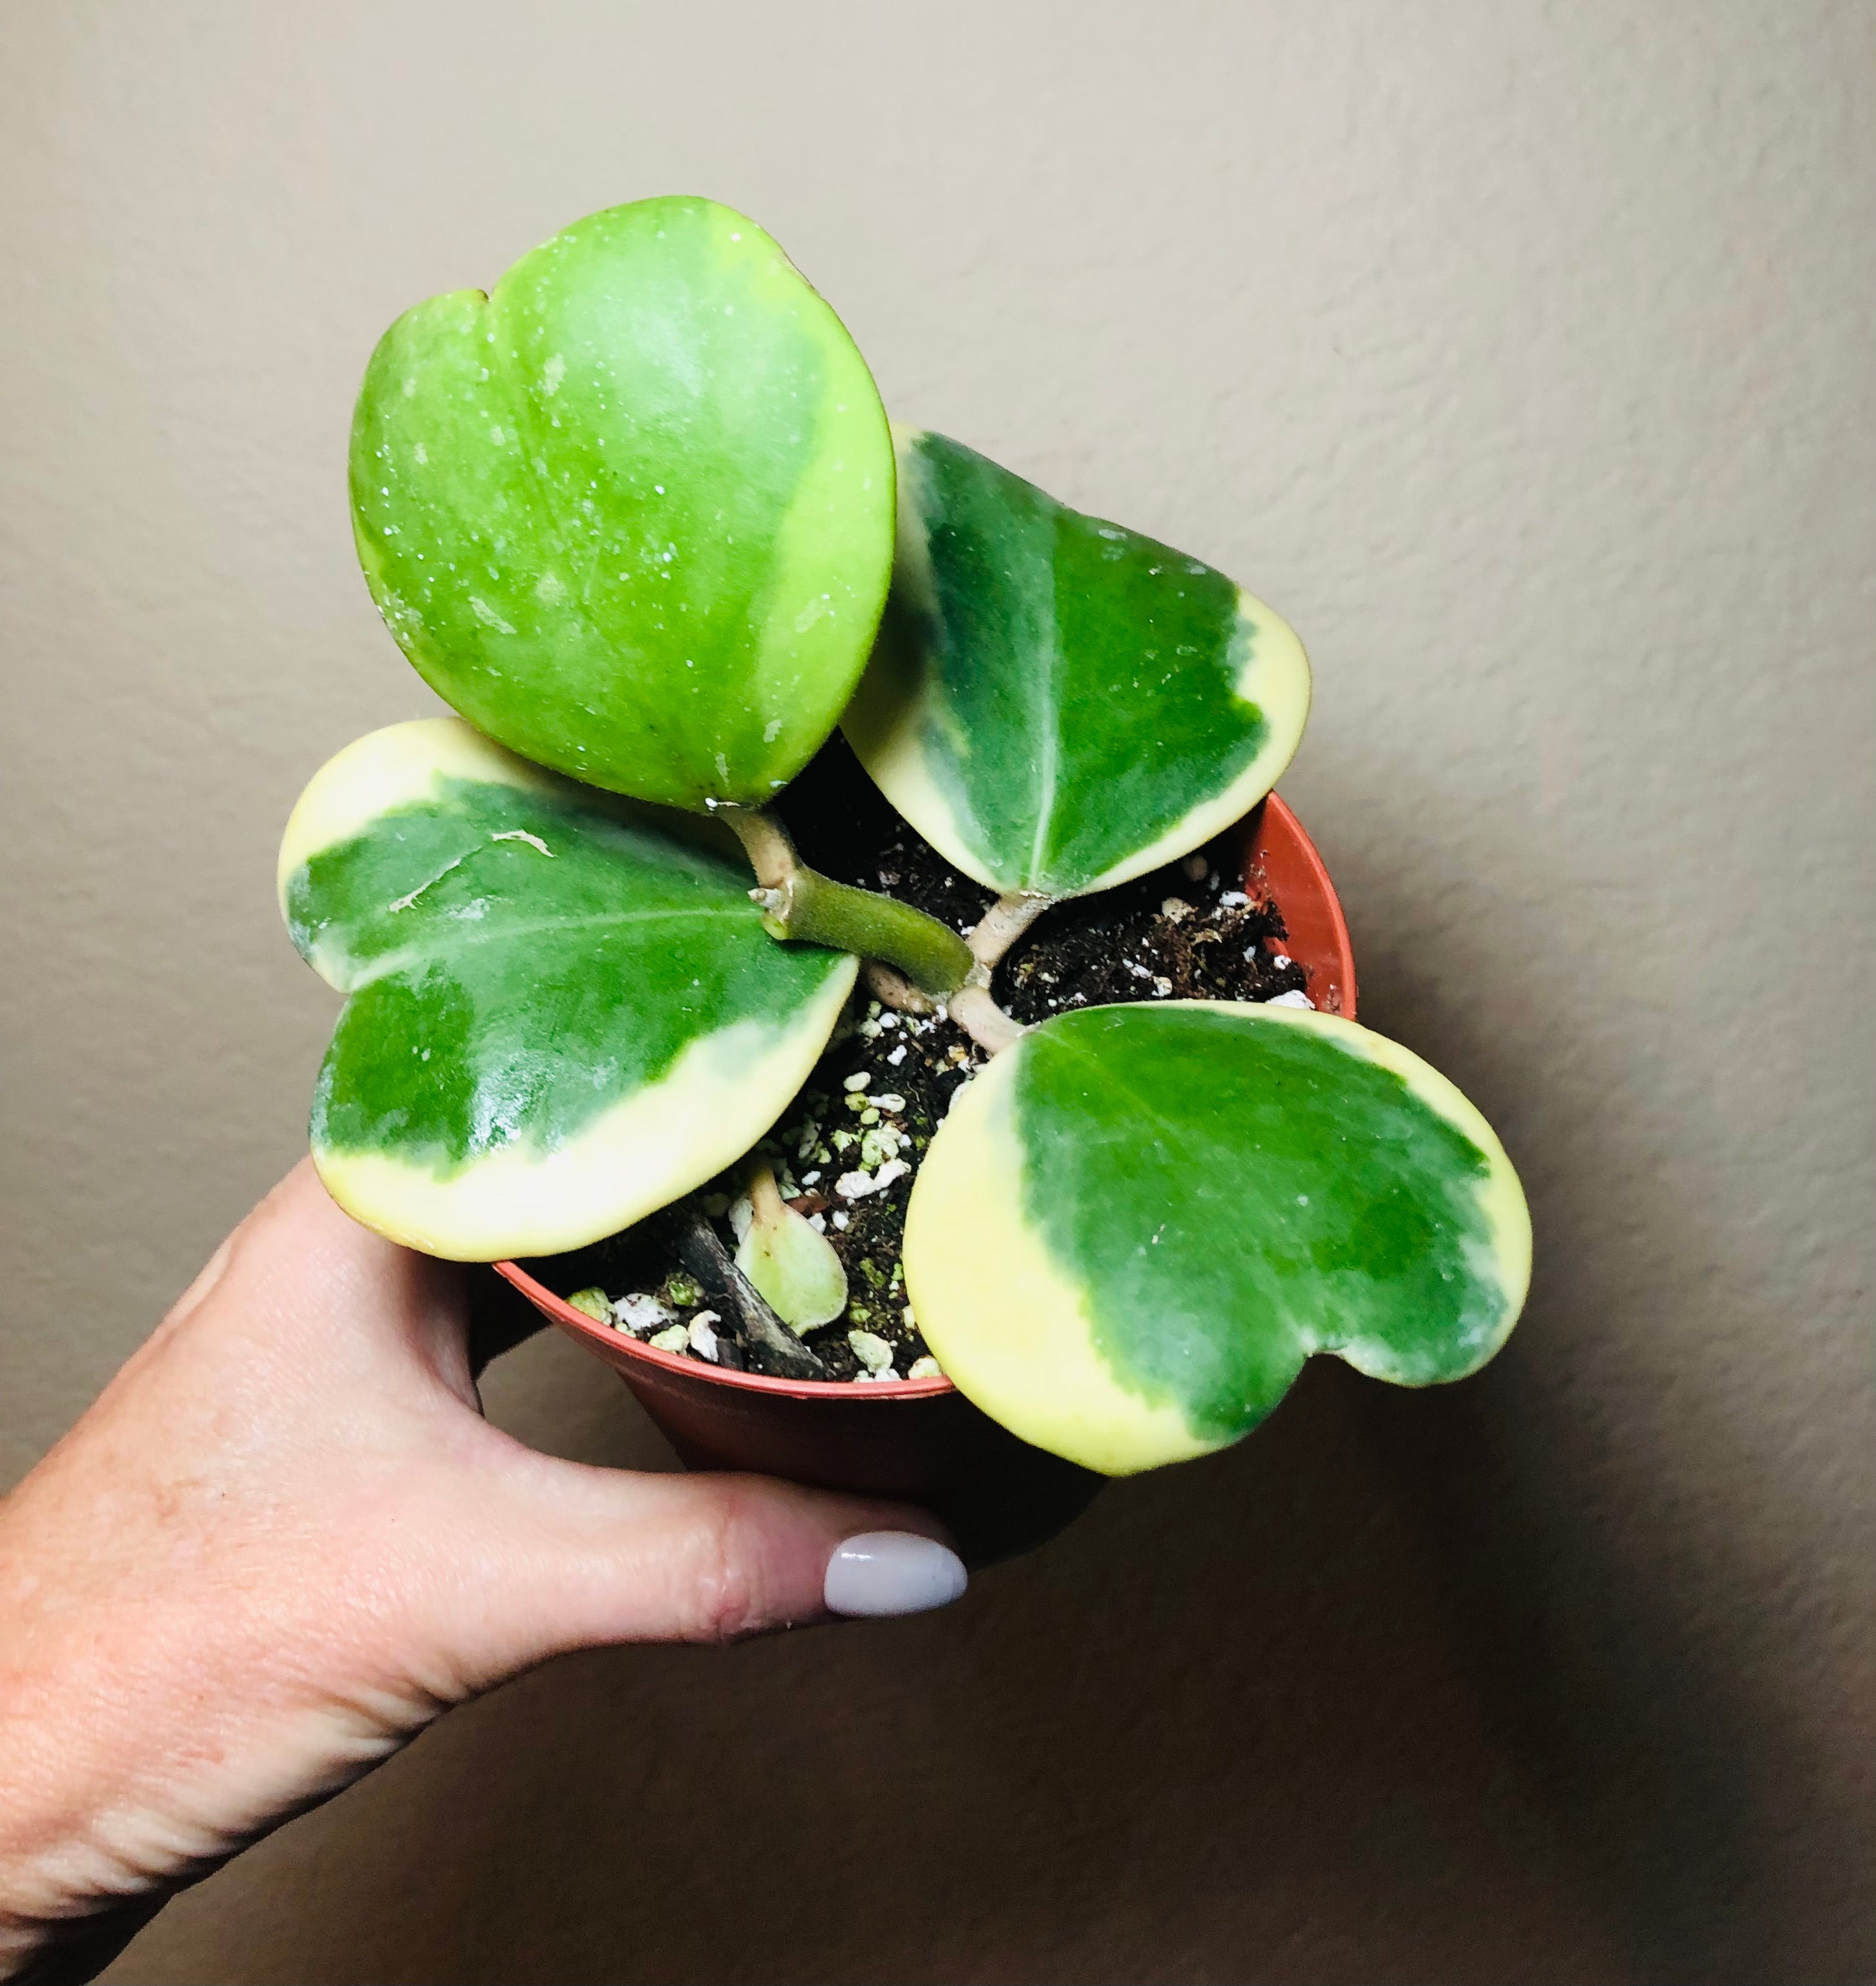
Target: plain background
<point>1522,355</point>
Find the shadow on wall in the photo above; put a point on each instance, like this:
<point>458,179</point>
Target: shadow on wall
<point>1390,1687</point>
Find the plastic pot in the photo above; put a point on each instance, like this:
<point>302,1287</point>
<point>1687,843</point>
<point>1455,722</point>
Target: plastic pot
<point>920,1441</point>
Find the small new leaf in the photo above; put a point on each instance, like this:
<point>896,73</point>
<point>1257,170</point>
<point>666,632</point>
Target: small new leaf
<point>794,1268</point>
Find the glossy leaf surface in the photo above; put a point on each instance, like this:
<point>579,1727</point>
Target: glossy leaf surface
<point>632,512</point>
<point>558,1020</point>
<point>1135,1226</point>
<point>1058,704</point>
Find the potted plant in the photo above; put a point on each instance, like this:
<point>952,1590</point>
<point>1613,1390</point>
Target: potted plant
<point>638,515</point>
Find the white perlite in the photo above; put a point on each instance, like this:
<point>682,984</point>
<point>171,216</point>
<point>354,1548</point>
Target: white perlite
<point>703,1338</point>
<point>926,1367</point>
<point>870,1349</point>
<point>639,1313</point>
<point>1291,1000</point>
<point>857,1185</point>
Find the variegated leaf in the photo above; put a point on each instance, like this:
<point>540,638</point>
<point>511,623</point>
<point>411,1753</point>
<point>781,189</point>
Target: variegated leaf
<point>559,1018</point>
<point>631,514</point>
<point>1058,704</point>
<point>1135,1226</point>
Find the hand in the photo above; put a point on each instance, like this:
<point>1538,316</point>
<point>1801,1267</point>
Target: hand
<point>284,1539</point>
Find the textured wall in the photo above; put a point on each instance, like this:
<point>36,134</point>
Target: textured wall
<point>1521,355</point>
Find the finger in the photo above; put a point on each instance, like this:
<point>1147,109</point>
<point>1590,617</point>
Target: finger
<point>460,1315</point>
<point>302,1295</point>
<point>574,1557</point>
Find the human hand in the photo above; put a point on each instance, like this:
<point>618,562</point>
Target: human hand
<point>283,1540</point>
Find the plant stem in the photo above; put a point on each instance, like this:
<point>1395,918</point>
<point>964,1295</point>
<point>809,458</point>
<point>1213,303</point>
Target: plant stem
<point>765,1195</point>
<point>1005,921</point>
<point>914,961</point>
<point>893,989</point>
<point>798,902</point>
<point>983,1020</point>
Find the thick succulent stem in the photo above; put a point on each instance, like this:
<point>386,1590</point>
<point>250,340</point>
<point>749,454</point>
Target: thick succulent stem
<point>893,989</point>
<point>798,902</point>
<point>983,1020</point>
<point>914,963</point>
<point>1005,921</point>
<point>971,1007</point>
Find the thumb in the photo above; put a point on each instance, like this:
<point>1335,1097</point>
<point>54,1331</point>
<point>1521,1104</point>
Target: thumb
<point>574,1558</point>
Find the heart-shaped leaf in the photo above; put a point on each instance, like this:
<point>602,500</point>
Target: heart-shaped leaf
<point>1055,703</point>
<point>1135,1226</point>
<point>559,1018</point>
<point>631,514</point>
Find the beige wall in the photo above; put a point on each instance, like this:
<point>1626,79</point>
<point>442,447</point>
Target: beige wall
<point>1520,353</point>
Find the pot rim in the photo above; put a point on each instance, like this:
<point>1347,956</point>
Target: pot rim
<point>564,1313</point>
<point>580,1325</point>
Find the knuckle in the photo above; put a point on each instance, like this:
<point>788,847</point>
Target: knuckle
<point>729,1588</point>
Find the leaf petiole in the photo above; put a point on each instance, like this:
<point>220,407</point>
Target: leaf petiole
<point>799,903</point>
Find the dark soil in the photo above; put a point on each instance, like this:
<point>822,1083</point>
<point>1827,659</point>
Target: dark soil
<point>1184,932</point>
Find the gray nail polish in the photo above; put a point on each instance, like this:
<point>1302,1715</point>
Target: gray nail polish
<point>893,1572</point>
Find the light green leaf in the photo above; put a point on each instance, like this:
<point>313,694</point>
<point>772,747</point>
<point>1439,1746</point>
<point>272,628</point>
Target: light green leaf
<point>1057,704</point>
<point>631,514</point>
<point>1135,1226</point>
<point>794,1269</point>
<point>559,1019</point>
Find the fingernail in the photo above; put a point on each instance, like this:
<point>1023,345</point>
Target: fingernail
<point>893,1572</point>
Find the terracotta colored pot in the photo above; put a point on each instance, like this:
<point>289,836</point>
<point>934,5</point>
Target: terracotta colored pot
<point>920,1441</point>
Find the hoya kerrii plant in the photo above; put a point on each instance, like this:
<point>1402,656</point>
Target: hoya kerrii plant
<point>638,516</point>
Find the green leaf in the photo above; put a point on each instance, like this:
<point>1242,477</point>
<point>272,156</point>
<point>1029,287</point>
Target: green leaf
<point>559,1018</point>
<point>795,1269</point>
<point>1057,704</point>
<point>1135,1226</point>
<point>631,514</point>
